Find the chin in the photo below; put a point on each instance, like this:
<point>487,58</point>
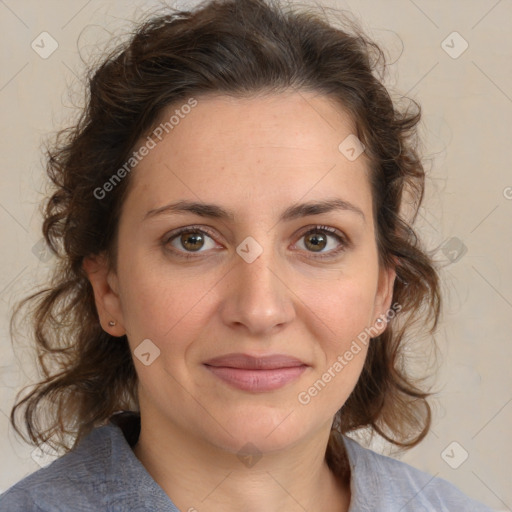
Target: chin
<point>267,430</point>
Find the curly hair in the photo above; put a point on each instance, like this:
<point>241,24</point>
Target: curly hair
<point>238,48</point>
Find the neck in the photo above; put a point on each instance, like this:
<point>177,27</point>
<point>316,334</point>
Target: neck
<point>197,475</point>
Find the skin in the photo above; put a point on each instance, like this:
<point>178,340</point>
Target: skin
<point>255,157</point>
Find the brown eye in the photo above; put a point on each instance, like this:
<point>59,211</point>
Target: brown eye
<point>187,241</point>
<point>315,241</point>
<point>192,241</point>
<point>320,238</point>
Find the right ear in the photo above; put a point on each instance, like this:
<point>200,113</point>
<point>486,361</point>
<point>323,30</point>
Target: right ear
<point>106,293</point>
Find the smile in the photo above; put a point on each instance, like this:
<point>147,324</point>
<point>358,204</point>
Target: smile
<point>256,374</point>
<point>257,380</point>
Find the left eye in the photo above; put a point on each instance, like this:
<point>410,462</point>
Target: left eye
<point>317,239</point>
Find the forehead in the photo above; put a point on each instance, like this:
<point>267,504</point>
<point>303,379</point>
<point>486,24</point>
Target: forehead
<point>256,151</point>
<point>225,125</point>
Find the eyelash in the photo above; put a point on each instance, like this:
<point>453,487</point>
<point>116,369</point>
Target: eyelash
<point>344,242</point>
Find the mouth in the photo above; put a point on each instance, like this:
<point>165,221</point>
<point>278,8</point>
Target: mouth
<point>256,374</point>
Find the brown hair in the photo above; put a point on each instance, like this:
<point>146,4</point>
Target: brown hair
<point>238,48</point>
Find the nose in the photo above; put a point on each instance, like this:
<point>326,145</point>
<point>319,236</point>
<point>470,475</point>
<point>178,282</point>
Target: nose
<point>258,299</point>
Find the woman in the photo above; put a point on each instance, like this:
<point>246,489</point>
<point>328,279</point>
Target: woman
<point>235,281</point>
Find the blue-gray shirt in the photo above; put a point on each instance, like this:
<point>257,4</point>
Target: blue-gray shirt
<point>103,474</point>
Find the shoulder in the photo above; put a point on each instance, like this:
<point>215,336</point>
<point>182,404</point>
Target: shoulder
<point>78,477</point>
<point>383,483</point>
<point>101,473</point>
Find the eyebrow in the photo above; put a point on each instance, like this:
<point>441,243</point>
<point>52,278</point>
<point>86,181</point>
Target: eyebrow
<point>293,212</point>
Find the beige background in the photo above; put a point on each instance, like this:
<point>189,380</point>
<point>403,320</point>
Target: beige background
<point>467,105</point>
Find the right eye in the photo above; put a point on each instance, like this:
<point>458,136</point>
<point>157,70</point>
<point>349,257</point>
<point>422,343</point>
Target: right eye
<point>189,240</point>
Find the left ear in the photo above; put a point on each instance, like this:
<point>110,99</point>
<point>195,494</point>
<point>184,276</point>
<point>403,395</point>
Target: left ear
<point>383,297</point>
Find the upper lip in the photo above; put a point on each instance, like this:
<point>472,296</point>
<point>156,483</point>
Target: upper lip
<point>248,362</point>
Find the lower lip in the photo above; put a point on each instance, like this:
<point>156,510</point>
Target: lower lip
<point>257,380</point>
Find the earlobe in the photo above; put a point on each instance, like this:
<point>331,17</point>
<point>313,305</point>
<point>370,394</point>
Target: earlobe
<point>106,294</point>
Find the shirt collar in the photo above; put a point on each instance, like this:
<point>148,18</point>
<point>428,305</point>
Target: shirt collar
<point>123,431</point>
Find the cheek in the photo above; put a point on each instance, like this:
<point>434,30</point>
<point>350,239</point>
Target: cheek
<point>162,304</point>
<point>341,345</point>
<point>341,309</point>
<point>325,393</point>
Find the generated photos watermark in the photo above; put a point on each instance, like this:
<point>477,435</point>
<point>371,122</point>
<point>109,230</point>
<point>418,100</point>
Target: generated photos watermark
<point>158,133</point>
<point>344,359</point>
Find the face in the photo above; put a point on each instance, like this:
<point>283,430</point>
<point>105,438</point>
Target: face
<point>249,302</point>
